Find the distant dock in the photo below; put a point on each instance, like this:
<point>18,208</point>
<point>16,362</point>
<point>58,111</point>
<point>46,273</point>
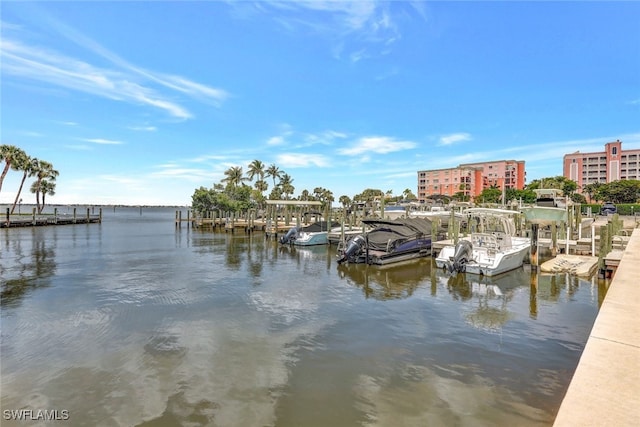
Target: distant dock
<point>35,219</point>
<point>231,223</point>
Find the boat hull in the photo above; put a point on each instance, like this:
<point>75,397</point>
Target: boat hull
<point>489,261</point>
<point>311,239</point>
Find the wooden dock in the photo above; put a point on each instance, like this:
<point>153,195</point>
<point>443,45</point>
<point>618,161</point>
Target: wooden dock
<point>232,224</point>
<point>35,220</point>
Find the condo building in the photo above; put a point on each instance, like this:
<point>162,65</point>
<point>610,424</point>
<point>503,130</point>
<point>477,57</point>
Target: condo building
<point>470,179</point>
<point>606,166</point>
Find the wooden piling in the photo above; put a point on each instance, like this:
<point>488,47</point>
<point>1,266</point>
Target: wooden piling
<point>533,254</point>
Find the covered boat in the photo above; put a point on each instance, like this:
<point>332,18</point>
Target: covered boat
<point>388,241</point>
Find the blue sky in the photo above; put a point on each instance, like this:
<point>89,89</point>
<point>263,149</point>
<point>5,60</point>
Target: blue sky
<point>142,102</point>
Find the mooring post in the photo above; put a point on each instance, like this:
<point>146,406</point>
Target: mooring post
<point>74,216</point>
<point>533,294</point>
<point>554,239</point>
<point>8,217</point>
<point>33,216</point>
<point>55,215</point>
<point>534,247</point>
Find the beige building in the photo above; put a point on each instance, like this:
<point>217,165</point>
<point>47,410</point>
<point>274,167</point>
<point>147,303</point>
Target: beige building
<point>471,178</point>
<point>606,166</point>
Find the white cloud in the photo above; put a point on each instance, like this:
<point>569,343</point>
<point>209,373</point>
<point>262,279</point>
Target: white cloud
<point>275,140</point>
<point>103,141</point>
<point>358,28</point>
<point>377,144</point>
<point>123,82</point>
<point>301,160</point>
<point>144,128</point>
<point>454,138</point>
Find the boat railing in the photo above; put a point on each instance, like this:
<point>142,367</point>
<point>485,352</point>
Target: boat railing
<point>484,240</point>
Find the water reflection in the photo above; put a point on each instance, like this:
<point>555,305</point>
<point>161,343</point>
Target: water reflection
<point>390,282</point>
<point>144,325</point>
<point>491,295</point>
<point>25,265</point>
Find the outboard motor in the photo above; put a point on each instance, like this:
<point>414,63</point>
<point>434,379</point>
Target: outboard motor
<point>462,255</point>
<point>290,236</point>
<point>354,248</point>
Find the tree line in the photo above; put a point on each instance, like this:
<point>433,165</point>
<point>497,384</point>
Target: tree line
<point>45,175</point>
<point>621,191</point>
<point>233,193</point>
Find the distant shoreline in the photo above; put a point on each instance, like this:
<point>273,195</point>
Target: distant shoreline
<point>96,205</point>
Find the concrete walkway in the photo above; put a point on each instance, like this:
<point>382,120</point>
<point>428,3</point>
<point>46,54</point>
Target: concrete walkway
<point>605,389</point>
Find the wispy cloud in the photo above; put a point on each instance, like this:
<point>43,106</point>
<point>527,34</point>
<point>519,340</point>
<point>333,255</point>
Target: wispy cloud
<point>302,160</point>
<point>144,128</point>
<point>323,138</point>
<point>358,29</point>
<point>123,82</point>
<point>102,141</point>
<point>377,144</point>
<point>177,172</point>
<point>276,140</point>
<point>454,138</point>
<point>292,138</point>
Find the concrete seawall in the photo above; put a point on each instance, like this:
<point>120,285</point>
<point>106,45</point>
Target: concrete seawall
<point>605,389</point>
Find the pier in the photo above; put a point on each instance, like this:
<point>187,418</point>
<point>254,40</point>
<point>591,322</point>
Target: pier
<point>35,219</point>
<point>605,389</point>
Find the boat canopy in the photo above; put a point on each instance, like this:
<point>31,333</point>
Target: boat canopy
<point>316,227</point>
<point>383,231</point>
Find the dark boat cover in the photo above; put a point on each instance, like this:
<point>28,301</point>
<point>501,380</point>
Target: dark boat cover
<point>385,230</point>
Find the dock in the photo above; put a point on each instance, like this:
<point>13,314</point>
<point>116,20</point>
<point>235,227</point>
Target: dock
<point>605,388</point>
<point>35,219</point>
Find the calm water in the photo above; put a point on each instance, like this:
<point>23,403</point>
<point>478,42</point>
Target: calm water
<point>134,323</point>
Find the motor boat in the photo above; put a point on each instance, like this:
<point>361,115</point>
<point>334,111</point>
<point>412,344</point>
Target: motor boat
<point>491,249</point>
<point>388,241</point>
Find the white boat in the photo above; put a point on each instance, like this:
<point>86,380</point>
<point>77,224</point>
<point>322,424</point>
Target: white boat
<point>550,197</point>
<point>491,250</point>
<point>395,212</point>
<point>544,215</point>
<point>310,235</point>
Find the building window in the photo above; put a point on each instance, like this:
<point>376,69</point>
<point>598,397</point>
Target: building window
<point>614,150</point>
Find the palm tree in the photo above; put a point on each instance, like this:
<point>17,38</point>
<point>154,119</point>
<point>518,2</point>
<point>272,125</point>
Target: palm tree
<point>43,171</point>
<point>274,172</point>
<point>261,185</point>
<point>47,187</point>
<point>234,176</point>
<point>11,156</point>
<point>28,165</point>
<point>286,183</point>
<point>256,168</point>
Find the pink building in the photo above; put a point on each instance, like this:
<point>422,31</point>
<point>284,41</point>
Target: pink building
<point>606,166</point>
<point>471,178</point>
